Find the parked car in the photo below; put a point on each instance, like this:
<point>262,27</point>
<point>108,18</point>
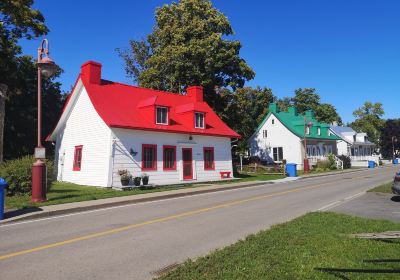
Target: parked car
<point>396,184</point>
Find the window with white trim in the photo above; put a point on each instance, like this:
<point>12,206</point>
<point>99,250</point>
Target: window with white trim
<point>277,153</point>
<point>265,133</point>
<point>319,131</point>
<point>307,130</point>
<point>161,115</point>
<point>198,120</point>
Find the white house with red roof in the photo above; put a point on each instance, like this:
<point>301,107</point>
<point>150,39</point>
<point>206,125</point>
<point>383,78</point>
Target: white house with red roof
<point>107,126</point>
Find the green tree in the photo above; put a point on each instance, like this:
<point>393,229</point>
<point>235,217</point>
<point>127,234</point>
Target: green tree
<point>246,109</point>
<point>390,138</point>
<point>368,120</point>
<point>284,103</point>
<point>21,111</point>
<point>189,45</point>
<point>308,99</point>
<point>326,113</point>
<point>17,20</point>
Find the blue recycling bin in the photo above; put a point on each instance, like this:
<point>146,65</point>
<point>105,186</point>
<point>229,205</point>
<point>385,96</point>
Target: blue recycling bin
<point>3,185</point>
<point>291,169</point>
<point>396,161</point>
<point>371,164</point>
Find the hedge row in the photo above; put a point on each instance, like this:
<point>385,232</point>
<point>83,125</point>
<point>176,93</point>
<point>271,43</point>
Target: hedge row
<point>18,175</point>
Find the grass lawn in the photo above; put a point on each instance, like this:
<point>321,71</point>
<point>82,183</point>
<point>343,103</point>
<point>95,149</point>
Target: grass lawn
<point>62,192</point>
<point>296,249</point>
<point>385,188</point>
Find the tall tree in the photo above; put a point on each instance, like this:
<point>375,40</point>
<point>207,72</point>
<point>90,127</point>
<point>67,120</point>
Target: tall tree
<point>246,109</point>
<point>390,138</point>
<point>308,99</point>
<point>284,103</point>
<point>21,111</point>
<point>189,45</point>
<point>369,120</point>
<point>17,20</point>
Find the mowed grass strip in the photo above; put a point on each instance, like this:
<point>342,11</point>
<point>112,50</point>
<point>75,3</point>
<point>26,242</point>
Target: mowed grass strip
<point>296,249</point>
<point>385,188</point>
<point>62,192</point>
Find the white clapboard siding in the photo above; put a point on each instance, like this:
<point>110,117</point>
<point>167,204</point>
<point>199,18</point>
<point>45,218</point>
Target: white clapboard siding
<point>84,127</point>
<point>124,140</point>
<point>277,136</point>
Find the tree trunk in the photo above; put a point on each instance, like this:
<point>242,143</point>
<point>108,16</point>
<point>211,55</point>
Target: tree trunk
<point>3,92</point>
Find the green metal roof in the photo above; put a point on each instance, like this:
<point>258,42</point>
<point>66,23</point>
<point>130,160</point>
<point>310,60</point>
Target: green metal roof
<point>295,123</point>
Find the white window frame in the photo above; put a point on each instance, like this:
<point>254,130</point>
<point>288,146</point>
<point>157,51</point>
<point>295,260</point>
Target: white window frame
<point>277,154</point>
<point>307,130</point>
<point>265,134</point>
<point>166,117</point>
<point>195,119</point>
<point>319,131</point>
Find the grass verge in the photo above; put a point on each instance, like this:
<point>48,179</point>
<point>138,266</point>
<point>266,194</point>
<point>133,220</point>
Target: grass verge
<point>295,250</point>
<point>62,192</point>
<point>385,188</point>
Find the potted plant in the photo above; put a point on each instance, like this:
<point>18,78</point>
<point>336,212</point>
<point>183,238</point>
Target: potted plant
<point>136,181</point>
<point>125,177</point>
<point>145,179</point>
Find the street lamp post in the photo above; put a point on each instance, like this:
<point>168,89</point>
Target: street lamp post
<point>45,67</point>
<point>306,162</point>
<point>394,140</point>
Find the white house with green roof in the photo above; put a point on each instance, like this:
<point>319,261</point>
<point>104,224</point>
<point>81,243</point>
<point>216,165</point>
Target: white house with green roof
<point>281,136</point>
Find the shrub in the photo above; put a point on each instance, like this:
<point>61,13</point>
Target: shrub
<point>323,164</point>
<point>18,175</point>
<point>346,161</point>
<point>332,161</point>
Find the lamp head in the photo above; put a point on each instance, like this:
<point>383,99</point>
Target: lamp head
<point>47,66</point>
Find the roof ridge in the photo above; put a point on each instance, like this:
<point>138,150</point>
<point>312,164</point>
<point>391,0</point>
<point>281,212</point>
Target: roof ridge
<point>149,89</point>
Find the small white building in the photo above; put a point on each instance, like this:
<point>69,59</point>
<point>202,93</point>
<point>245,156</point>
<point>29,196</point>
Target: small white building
<point>107,126</point>
<point>355,145</point>
<point>281,136</point>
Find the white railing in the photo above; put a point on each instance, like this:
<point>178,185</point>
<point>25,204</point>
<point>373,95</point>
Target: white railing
<point>364,158</point>
<point>339,163</point>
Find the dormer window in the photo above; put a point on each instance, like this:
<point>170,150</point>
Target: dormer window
<point>198,120</point>
<point>162,115</point>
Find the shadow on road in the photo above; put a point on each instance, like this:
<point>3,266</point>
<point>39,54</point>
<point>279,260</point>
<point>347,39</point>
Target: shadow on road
<point>395,198</point>
<point>19,212</point>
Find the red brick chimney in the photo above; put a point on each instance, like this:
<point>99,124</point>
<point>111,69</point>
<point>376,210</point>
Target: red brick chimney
<point>195,93</point>
<point>91,72</point>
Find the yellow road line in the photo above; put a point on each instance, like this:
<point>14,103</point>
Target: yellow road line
<point>154,221</point>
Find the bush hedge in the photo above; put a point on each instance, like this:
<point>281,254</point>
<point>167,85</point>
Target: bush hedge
<point>346,161</point>
<point>18,175</point>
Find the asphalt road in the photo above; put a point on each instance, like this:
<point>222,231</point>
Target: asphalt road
<point>136,241</point>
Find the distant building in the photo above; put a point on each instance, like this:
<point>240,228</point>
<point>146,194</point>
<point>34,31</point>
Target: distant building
<point>353,144</point>
<point>281,136</point>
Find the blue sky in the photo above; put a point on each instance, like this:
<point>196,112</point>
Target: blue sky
<point>349,50</point>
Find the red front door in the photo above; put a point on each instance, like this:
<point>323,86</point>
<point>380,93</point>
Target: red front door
<point>187,164</point>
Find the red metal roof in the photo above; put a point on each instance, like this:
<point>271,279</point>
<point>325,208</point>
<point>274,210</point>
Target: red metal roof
<point>126,106</point>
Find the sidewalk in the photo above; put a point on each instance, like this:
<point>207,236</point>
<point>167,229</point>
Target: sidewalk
<point>68,208</point>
